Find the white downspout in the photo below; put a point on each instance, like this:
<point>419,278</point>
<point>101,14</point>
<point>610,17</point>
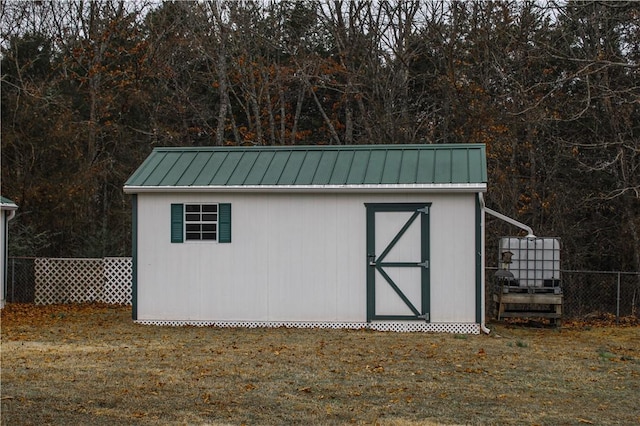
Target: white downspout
<point>11,215</point>
<point>507,219</point>
<point>483,327</point>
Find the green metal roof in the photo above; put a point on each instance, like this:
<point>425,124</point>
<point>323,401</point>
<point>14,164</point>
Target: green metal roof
<point>311,166</point>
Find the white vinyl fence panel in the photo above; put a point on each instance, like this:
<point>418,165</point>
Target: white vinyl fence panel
<point>105,280</point>
<point>118,278</point>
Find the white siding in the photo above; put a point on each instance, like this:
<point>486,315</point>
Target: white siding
<point>453,250</point>
<point>293,257</point>
<point>3,266</point>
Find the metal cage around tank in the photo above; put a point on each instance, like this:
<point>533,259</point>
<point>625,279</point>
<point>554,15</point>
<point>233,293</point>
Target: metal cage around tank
<point>528,281</point>
<point>530,265</point>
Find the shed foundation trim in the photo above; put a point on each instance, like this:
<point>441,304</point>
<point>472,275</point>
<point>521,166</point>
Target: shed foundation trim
<point>456,328</point>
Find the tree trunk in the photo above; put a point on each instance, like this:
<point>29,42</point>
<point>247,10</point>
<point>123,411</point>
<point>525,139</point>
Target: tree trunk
<point>296,118</point>
<point>223,87</point>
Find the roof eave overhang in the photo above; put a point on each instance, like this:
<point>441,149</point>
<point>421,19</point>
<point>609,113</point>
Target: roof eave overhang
<point>8,206</point>
<point>422,188</point>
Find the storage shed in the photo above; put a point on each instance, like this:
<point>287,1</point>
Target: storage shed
<point>388,237</point>
<point>7,212</point>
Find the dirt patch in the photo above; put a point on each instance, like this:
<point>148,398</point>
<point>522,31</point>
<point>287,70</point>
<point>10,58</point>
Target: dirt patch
<point>89,364</point>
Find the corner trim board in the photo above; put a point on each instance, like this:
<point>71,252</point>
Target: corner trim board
<point>134,257</point>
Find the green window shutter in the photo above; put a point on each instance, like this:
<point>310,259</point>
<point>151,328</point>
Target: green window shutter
<point>224,223</point>
<point>177,219</point>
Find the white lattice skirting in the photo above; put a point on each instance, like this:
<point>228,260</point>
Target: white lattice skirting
<point>456,328</point>
<point>105,280</point>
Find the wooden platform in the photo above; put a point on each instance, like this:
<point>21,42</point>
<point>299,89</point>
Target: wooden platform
<point>529,305</point>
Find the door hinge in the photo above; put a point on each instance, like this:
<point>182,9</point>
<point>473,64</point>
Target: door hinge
<point>424,210</point>
<point>424,264</point>
<point>424,317</point>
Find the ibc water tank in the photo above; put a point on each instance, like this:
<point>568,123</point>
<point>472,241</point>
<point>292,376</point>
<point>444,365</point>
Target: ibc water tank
<point>534,262</point>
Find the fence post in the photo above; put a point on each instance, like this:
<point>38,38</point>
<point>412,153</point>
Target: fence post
<point>13,279</point>
<point>618,301</point>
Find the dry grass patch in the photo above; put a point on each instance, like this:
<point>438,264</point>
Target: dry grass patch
<point>89,364</point>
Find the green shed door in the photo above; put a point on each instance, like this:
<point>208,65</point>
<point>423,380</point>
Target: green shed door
<point>398,261</point>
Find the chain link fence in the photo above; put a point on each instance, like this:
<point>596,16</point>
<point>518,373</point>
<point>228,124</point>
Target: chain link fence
<point>595,292</point>
<point>586,293</point>
<point>21,280</point>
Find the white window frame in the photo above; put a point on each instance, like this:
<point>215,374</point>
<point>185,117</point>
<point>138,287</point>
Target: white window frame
<point>201,223</point>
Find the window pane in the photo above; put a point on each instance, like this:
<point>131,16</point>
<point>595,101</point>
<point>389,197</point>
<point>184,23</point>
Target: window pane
<point>201,222</point>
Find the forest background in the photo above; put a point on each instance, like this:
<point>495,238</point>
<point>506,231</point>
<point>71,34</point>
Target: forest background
<point>89,88</point>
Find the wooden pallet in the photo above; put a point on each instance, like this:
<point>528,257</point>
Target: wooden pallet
<point>536,290</point>
<point>529,305</point>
